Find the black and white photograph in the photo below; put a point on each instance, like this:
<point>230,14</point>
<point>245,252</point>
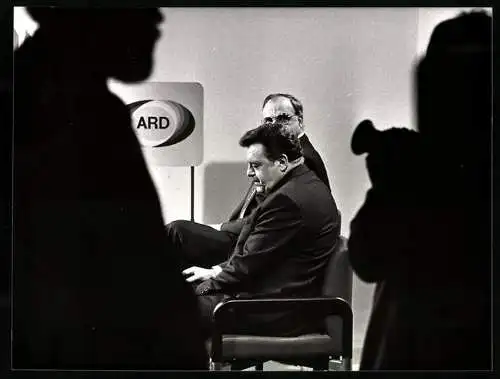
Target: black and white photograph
<point>251,189</point>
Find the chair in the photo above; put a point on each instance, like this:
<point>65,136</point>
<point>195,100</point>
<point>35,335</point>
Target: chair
<point>321,351</point>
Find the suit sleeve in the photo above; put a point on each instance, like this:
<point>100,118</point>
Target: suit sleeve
<point>315,163</point>
<point>234,226</point>
<point>275,228</point>
<point>320,170</point>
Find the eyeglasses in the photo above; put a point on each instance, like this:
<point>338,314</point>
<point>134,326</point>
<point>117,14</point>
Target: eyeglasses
<point>281,119</point>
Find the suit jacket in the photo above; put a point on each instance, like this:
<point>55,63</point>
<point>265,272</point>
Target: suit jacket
<point>286,243</point>
<point>95,280</point>
<point>312,160</point>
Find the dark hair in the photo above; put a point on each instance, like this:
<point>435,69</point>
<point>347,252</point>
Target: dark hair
<point>277,140</point>
<point>296,104</point>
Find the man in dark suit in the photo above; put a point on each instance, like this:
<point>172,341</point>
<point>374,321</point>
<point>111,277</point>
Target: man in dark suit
<point>95,284</point>
<point>285,244</point>
<point>206,246</point>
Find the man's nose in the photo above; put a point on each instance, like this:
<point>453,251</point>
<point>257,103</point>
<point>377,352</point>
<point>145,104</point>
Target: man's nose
<point>250,172</point>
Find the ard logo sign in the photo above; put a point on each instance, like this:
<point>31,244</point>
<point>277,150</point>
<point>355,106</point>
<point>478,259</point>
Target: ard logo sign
<point>167,118</point>
<point>160,123</point>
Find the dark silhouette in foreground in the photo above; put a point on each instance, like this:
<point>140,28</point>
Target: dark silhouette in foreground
<point>423,233</point>
<point>96,284</point>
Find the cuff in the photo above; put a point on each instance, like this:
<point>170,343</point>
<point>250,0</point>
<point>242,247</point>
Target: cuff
<point>216,271</point>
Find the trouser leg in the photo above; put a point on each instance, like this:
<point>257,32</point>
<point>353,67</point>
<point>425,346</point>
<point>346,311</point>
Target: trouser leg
<point>200,245</point>
<point>207,305</point>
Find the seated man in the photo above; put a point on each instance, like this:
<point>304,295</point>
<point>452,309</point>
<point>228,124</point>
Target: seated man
<point>285,244</point>
<point>202,245</point>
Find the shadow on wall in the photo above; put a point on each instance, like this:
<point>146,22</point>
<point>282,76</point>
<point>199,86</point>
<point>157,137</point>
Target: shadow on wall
<point>225,185</point>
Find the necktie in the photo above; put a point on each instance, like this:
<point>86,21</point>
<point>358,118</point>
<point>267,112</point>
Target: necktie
<point>249,198</point>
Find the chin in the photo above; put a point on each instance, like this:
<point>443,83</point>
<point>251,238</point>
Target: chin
<point>134,73</point>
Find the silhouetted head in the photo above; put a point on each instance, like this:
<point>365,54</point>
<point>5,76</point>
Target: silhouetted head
<point>115,43</point>
<point>453,82</point>
<point>284,109</point>
<point>272,151</point>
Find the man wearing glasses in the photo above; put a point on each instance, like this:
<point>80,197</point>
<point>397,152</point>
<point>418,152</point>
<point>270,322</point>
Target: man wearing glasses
<point>287,109</point>
<point>205,246</point>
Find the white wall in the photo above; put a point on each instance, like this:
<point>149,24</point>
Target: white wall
<point>24,25</point>
<point>344,64</point>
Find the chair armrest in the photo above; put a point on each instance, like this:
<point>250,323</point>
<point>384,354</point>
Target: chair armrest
<point>266,304</point>
<point>321,306</point>
<point>259,296</point>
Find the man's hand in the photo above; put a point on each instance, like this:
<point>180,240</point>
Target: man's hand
<point>199,273</point>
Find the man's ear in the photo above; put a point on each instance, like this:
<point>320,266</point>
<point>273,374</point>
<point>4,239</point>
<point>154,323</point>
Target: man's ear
<point>283,162</point>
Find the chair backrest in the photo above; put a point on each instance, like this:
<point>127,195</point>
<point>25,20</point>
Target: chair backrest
<point>338,276</point>
<point>338,283</point>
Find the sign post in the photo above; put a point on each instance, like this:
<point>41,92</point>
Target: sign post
<point>167,119</point>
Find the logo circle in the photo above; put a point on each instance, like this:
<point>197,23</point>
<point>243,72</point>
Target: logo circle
<point>160,122</point>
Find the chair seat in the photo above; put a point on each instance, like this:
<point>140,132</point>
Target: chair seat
<point>255,347</point>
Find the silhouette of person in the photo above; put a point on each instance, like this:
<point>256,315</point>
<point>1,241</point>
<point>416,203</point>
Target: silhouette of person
<point>5,188</point>
<point>423,233</point>
<point>96,283</point>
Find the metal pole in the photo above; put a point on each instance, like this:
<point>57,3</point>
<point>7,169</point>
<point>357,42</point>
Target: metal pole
<point>192,193</point>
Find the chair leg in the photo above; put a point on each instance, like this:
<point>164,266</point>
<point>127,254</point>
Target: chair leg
<point>219,366</point>
<point>340,364</point>
<point>346,364</point>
